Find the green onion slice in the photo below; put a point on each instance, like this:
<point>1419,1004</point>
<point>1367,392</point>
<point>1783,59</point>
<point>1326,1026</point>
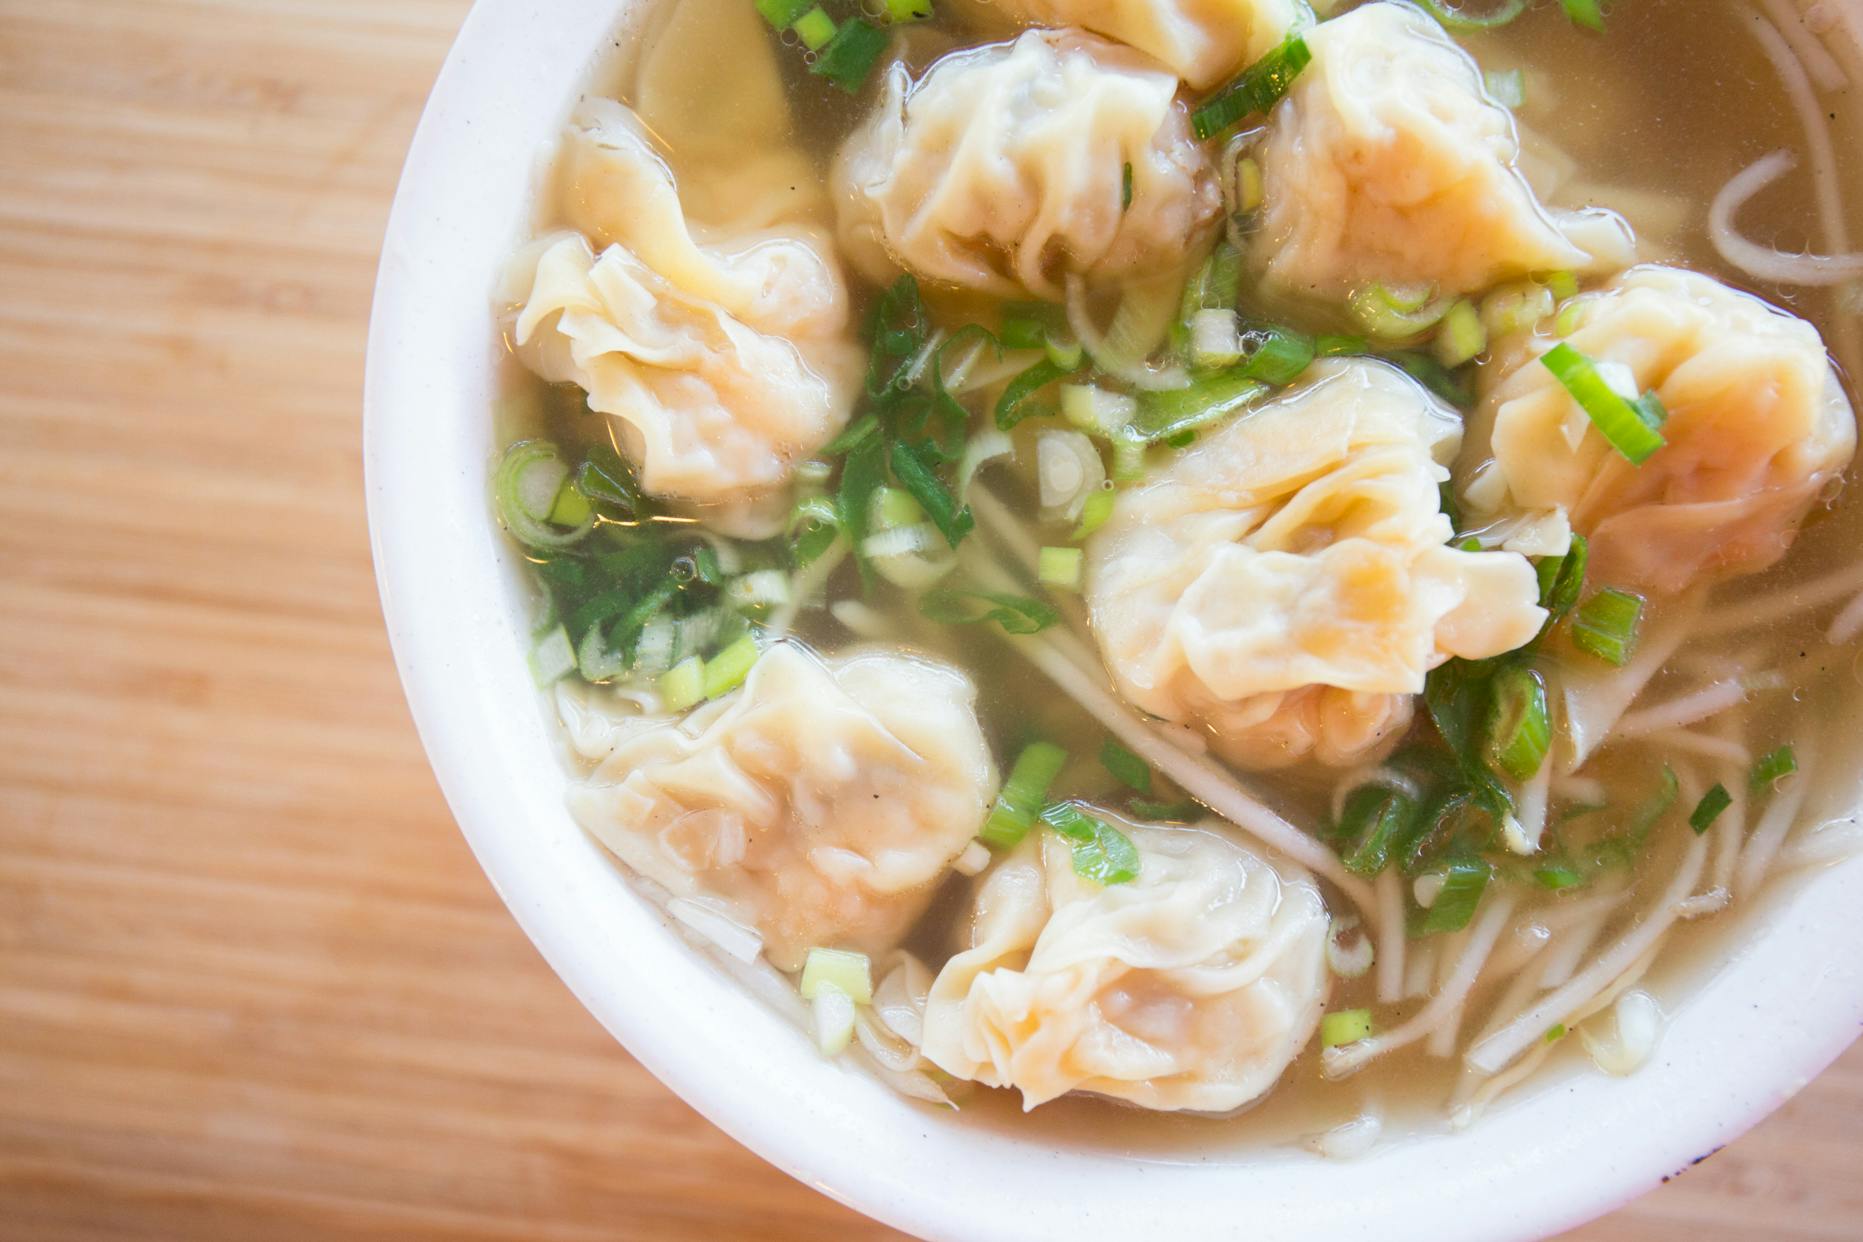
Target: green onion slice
<point>1022,795</point>
<point>1769,768</point>
<point>1016,614</point>
<point>851,972</point>
<point>525,490</point>
<point>1094,513</point>
<point>1373,820</point>
<point>1519,726</point>
<point>1014,405</point>
<point>1127,768</point>
<point>1459,19</point>
<point>1709,809</point>
<point>1562,578</point>
<point>1162,415</point>
<point>1463,884</point>
<point>914,472</point>
<point>1102,853</point>
<point>782,14</point>
<point>1258,88</point>
<point>727,670</point>
<point>1584,13</point>
<point>1345,1026</point>
<point>1606,625</point>
<point>1626,424</point>
<point>850,55</point>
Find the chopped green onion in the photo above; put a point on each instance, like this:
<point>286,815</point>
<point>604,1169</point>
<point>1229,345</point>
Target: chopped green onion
<point>1276,355</point>
<point>763,588</point>
<point>1372,821</point>
<point>1562,578</point>
<point>1507,87</point>
<point>1213,340</point>
<point>1461,336</point>
<point>1216,284</point>
<point>1257,89</point>
<point>1468,543</point>
<point>1013,406</point>
<point>1709,809</point>
<point>1127,768</point>
<point>1344,1026</point>
<point>1094,513</point>
<point>1769,768</point>
<point>1558,877</point>
<point>1063,353</point>
<point>1396,312</point>
<point>1059,567</point>
<point>1019,333</point>
<point>863,473</point>
<point>911,468</point>
<point>901,329</point>
<point>834,1020</point>
<point>1463,885</point>
<point>1455,17</point>
<point>1249,190</point>
<point>1456,693</point>
<point>726,671</point>
<point>1022,795</point>
<point>1561,285</point>
<point>1570,315</point>
<point>1623,422</point>
<point>850,55</point>
<point>1432,375</point>
<point>1182,811</point>
<point>900,11</point>
<point>1606,625</point>
<point>1102,853</point>
<point>1128,459</point>
<point>1337,345</point>
<point>552,658</point>
<point>815,28</point>
<point>1519,727</point>
<point>683,685</point>
<point>892,507</point>
<point>1555,1032</point>
<point>571,507</point>
<point>782,14</point>
<point>1584,13</point>
<point>595,660</point>
<point>1518,307</point>
<point>850,972</point>
<point>606,478</point>
<point>1210,400</point>
<point>1125,186</point>
<point>525,491</point>
<point>1016,614</point>
<point>1096,411</point>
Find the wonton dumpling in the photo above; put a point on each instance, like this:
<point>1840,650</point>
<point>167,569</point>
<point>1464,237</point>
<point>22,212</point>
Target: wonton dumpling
<point>1758,424</point>
<point>818,804</point>
<point>726,358</point>
<point>1387,162</point>
<point>1003,169</point>
<point>1285,583</point>
<point>1204,42</point>
<point>725,121</point>
<point>1190,987</point>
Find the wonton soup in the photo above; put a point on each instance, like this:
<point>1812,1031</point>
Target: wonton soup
<point>1224,559</point>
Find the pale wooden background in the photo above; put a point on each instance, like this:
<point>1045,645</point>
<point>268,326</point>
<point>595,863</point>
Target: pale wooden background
<point>251,983</point>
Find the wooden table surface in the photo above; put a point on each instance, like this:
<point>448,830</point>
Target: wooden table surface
<point>252,985</point>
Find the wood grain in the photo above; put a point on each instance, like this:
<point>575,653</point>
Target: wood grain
<point>251,983</point>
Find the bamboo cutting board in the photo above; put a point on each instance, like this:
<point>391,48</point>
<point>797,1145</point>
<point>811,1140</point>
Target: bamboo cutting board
<point>251,983</point>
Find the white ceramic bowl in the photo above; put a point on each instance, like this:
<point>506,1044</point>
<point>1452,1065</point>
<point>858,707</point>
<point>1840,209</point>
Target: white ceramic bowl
<point>1760,1028</point>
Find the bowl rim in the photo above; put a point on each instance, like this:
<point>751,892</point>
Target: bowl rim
<point>1547,1161</point>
